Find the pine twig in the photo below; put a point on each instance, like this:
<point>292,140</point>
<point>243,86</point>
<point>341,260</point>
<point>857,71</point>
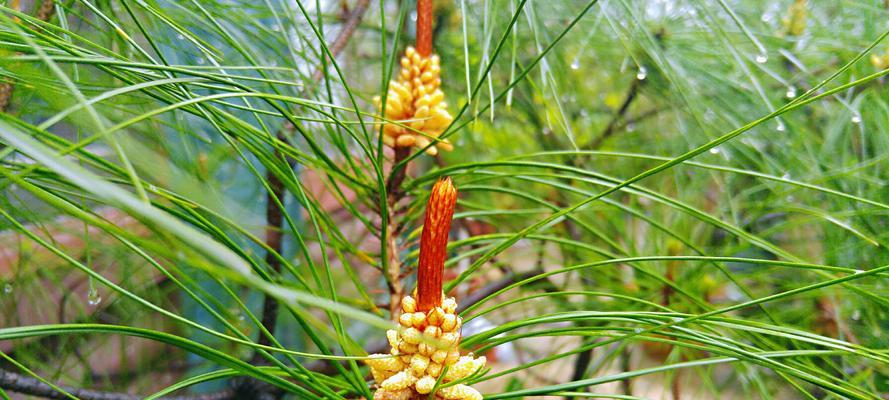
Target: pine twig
<point>274,214</point>
<point>44,13</point>
<point>33,387</point>
<point>273,238</point>
<point>397,175</point>
<point>632,92</point>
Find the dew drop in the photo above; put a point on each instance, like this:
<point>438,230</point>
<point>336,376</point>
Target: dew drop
<point>714,151</point>
<point>786,175</point>
<point>859,271</point>
<point>93,298</point>
<point>180,36</point>
<point>575,64</point>
<point>856,118</point>
<point>856,315</point>
<point>637,330</point>
<point>791,92</point>
<point>642,73</point>
<point>631,127</point>
<point>7,288</point>
<point>781,127</point>
<point>199,60</point>
<point>762,58</point>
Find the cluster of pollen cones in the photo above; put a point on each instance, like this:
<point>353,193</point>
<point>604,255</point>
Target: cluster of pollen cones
<point>424,355</point>
<point>416,101</point>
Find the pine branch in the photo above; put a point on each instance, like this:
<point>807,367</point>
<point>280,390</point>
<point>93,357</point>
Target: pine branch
<point>274,213</point>
<point>632,92</point>
<point>31,386</point>
<point>44,13</point>
<point>26,385</point>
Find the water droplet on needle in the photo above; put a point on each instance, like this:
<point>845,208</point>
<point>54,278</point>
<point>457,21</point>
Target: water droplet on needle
<point>93,298</point>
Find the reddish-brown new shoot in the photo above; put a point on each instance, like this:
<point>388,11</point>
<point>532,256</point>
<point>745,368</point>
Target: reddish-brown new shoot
<point>434,242</point>
<point>424,27</point>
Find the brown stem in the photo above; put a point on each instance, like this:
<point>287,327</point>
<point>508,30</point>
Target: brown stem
<point>345,34</point>
<point>676,387</point>
<point>273,235</point>
<point>397,175</point>
<point>619,115</point>
<point>34,387</point>
<point>393,272</point>
<point>44,13</point>
<point>625,384</point>
<point>394,192</point>
<point>5,94</point>
<point>274,214</point>
<point>46,10</point>
<point>424,27</point>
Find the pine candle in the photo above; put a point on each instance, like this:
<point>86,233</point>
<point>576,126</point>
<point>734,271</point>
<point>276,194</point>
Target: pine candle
<point>426,346</point>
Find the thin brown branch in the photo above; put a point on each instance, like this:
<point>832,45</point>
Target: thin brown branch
<point>632,92</point>
<point>44,13</point>
<point>393,271</point>
<point>274,213</point>
<point>31,386</point>
<point>46,10</point>
<point>273,238</point>
<point>397,175</point>
<point>348,29</point>
<point>627,383</point>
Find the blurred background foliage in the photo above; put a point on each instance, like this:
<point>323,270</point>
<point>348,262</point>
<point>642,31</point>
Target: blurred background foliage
<point>739,250</point>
